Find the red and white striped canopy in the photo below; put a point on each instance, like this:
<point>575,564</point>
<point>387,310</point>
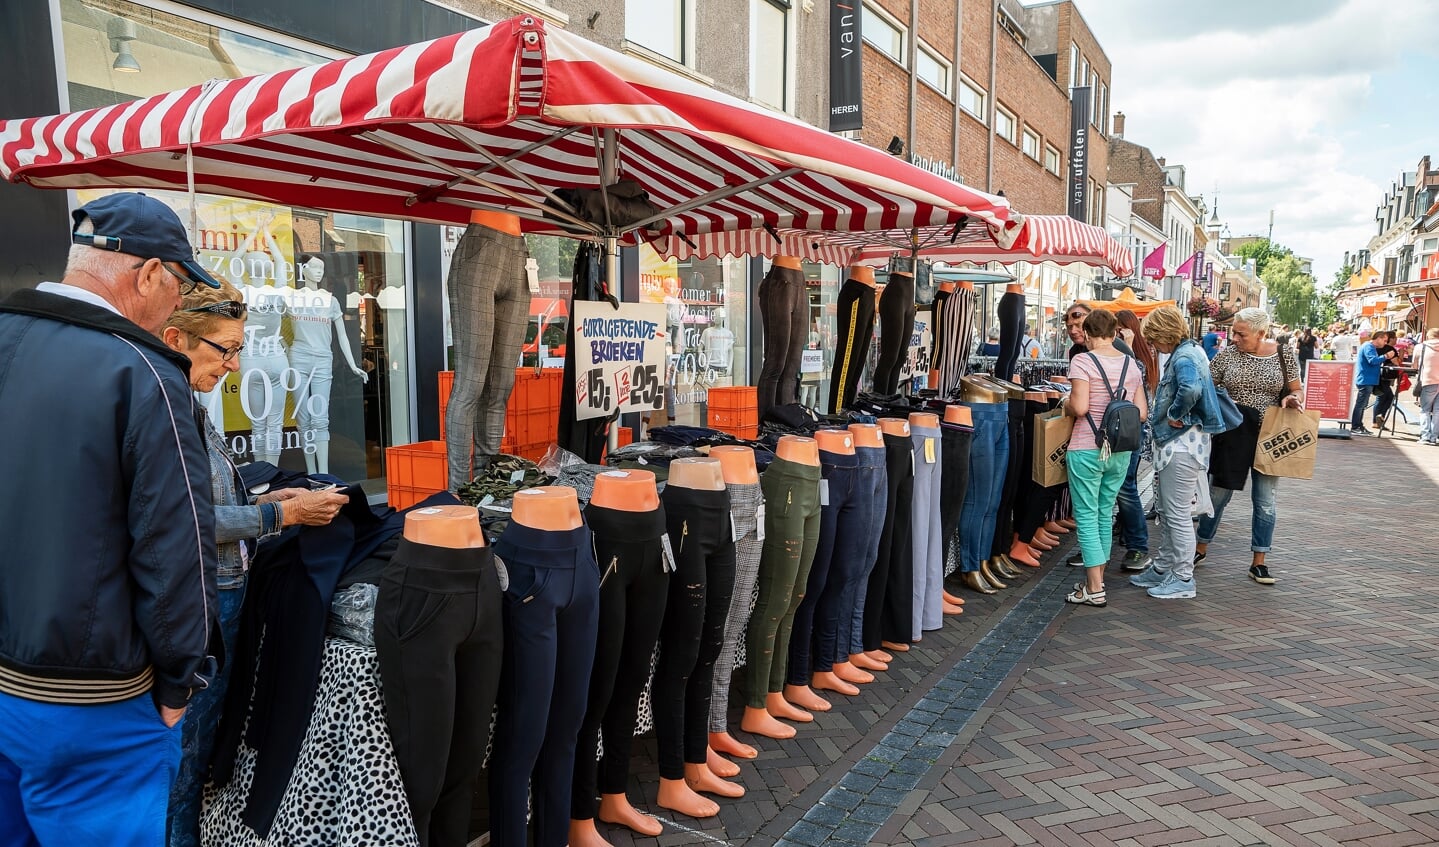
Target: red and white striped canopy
<point>496,118</point>
<point>1040,238</point>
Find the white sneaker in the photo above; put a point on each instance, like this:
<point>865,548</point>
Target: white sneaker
<point>1174,588</point>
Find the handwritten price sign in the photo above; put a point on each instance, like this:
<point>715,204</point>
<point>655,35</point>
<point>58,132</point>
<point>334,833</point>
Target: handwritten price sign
<point>619,358</point>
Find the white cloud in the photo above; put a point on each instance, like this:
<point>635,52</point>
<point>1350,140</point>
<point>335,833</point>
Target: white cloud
<point>1285,104</point>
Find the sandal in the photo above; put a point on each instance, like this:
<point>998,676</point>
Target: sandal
<point>1260,574</point>
<point>1082,597</point>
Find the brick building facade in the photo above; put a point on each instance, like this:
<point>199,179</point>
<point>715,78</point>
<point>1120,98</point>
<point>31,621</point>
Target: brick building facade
<point>1001,118</point>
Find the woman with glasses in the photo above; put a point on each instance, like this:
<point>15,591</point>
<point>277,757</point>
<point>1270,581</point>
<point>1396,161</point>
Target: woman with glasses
<point>209,329</point>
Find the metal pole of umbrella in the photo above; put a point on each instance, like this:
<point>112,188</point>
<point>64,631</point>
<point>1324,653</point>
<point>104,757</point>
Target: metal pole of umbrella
<point>608,175</point>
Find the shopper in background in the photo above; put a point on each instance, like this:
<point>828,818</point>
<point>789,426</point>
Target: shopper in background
<point>107,585</point>
<point>991,346</point>
<point>1368,368</point>
<point>1258,374</point>
<point>1133,530</point>
<point>1211,344</point>
<point>209,330</point>
<point>1388,375</point>
<point>1184,416</point>
<point>1426,386</point>
<point>1307,343</point>
<point>1095,473</point>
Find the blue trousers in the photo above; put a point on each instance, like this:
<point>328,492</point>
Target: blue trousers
<point>874,458</point>
<point>1133,531</point>
<point>85,775</point>
<point>988,462</point>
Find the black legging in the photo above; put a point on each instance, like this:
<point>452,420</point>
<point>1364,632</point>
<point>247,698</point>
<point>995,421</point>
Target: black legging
<point>856,330</point>
<point>889,596</point>
<point>1035,502</point>
<point>693,631</point>
<point>784,313</point>
<point>954,479</point>
<point>896,326</point>
<point>634,586</point>
<point>1011,333</point>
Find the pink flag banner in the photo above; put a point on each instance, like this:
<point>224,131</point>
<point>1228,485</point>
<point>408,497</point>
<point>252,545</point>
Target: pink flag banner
<point>1153,267</point>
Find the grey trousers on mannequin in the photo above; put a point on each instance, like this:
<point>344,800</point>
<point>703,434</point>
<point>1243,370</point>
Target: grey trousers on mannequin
<point>489,309</point>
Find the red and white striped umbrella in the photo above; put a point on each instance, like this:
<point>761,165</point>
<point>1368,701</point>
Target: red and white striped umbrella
<point>496,118</point>
<point>1040,238</point>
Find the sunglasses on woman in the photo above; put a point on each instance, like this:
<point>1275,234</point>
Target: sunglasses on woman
<point>228,308</point>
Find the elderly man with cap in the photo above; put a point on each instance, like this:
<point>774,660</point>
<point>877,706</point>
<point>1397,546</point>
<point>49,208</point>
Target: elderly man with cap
<point>107,573</point>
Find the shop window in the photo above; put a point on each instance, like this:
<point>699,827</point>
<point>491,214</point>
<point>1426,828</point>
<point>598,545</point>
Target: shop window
<point>932,69</point>
<point>885,34</point>
<point>769,53</point>
<point>971,99</point>
<point>329,292</point>
<point>707,308</point>
<point>1030,144</point>
<point>661,26</point>
<point>1004,125</point>
<point>1051,160</point>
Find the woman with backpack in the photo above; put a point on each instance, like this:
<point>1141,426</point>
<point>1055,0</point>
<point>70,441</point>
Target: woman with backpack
<point>1108,403</point>
<point>1258,374</point>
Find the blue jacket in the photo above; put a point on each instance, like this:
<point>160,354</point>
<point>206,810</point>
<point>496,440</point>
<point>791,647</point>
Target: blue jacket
<point>1186,394</point>
<point>107,569</point>
<point>1367,365</point>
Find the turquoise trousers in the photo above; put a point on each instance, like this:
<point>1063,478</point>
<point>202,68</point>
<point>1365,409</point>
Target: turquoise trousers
<point>1094,487</point>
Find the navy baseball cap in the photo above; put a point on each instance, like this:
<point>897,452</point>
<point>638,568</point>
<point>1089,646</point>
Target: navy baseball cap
<point>140,226</point>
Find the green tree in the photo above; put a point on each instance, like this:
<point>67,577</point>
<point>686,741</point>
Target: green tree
<point>1290,288</point>
<point>1263,252</point>
<point>1326,303</point>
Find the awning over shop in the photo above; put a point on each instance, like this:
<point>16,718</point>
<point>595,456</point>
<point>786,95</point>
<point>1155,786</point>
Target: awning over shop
<point>499,118</point>
<point>1040,238</point>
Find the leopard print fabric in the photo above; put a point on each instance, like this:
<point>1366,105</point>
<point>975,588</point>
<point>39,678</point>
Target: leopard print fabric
<point>346,790</point>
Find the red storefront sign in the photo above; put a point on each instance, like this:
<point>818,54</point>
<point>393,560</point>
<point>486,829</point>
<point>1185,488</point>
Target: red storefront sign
<point>1329,389</point>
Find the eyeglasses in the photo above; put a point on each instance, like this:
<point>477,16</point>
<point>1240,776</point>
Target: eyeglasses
<point>227,354</point>
<point>187,285</point>
<point>233,309</point>
<point>1076,316</point>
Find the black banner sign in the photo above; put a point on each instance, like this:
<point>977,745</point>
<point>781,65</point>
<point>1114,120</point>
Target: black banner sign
<point>846,80</point>
<point>1080,103</point>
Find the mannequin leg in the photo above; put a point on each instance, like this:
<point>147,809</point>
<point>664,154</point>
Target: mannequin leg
<point>784,309</point>
<point>472,288</point>
<point>744,501</point>
<point>512,311</point>
<point>1011,333</point>
<point>896,318</point>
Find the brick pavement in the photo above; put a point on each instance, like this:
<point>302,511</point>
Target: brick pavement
<point>1300,714</point>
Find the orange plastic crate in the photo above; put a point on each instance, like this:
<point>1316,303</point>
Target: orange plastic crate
<point>734,410</point>
<point>415,471</point>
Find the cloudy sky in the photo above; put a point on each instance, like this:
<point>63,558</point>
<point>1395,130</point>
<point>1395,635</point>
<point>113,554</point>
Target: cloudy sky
<point>1308,107</point>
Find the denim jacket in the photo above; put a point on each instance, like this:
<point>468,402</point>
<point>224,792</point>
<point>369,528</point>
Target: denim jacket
<point>1186,394</point>
<point>236,519</point>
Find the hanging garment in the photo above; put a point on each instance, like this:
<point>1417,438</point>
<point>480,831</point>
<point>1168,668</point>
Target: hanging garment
<point>551,616</point>
<point>489,310</point>
<point>953,334</point>
<point>700,591</point>
<point>585,438</point>
<point>440,645</point>
<point>856,313</point>
<point>784,313</point>
<point>634,588</point>
<point>896,327</point>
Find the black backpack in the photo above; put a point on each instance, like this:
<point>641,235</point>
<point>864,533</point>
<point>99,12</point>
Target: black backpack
<point>1121,427</point>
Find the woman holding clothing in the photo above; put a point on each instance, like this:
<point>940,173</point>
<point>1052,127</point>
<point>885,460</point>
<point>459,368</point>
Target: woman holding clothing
<point>1098,375</point>
<point>209,329</point>
<point>1258,374</point>
<point>1184,416</point>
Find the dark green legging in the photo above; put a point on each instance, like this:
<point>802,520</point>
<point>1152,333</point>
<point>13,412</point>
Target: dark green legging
<point>791,525</point>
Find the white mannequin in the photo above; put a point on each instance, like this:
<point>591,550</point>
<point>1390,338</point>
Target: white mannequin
<point>718,344</point>
<point>264,359</point>
<point>316,319</point>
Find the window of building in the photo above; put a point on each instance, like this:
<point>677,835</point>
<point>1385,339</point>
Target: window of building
<point>769,53</point>
<point>884,33</point>
<point>662,26</point>
<point>1101,114</point>
<point>1051,159</point>
<point>1431,244</point>
<point>971,99</point>
<point>933,69</point>
<point>1073,65</point>
<point>1004,126</point>
<point>1083,72</point>
<point>328,292</point>
<point>1030,144</point>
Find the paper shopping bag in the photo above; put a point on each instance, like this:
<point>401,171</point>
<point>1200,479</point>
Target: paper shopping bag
<point>1288,443</point>
<point>1051,443</point>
